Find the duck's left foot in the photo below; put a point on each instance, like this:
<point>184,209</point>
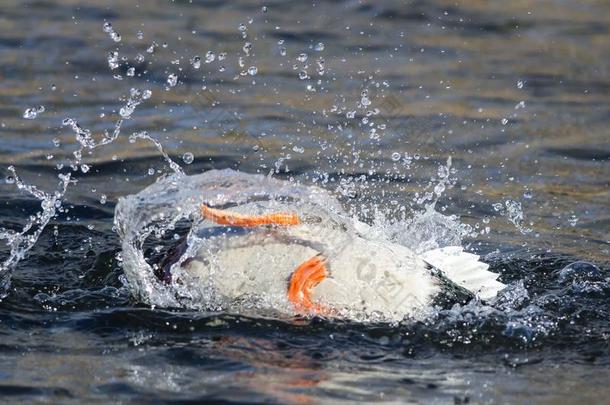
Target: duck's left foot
<point>305,277</point>
<point>229,218</point>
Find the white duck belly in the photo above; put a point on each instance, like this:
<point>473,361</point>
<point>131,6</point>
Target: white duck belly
<point>365,278</point>
<point>257,272</point>
<point>378,279</point>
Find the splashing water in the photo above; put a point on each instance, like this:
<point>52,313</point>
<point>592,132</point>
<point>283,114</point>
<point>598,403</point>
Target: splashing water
<point>20,242</point>
<point>32,113</point>
<point>513,211</point>
<point>136,97</point>
<point>421,231</point>
<point>144,135</point>
<point>147,221</point>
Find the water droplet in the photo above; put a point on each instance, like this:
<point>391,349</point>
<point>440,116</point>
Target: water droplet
<point>247,48</point>
<point>172,80</point>
<point>84,168</point>
<point>151,171</point>
<point>303,75</point>
<point>242,28</point>
<point>131,71</point>
<point>210,57</point>
<point>320,62</point>
<point>282,51</point>
<point>528,194</point>
<point>110,31</point>
<point>188,158</point>
<point>113,60</point>
<point>302,58</point>
<point>32,113</point>
<point>442,172</point>
<point>439,188</point>
<point>573,220</point>
<point>140,35</point>
<point>108,27</point>
<point>395,156</point>
<point>319,47</point>
<point>264,9</point>
<point>222,56</point>
<point>103,199</point>
<point>196,62</point>
<point>140,58</point>
<point>520,84</point>
<point>136,97</point>
<point>364,98</point>
<point>152,47</point>
<point>298,149</point>
<point>504,121</point>
<point>252,70</point>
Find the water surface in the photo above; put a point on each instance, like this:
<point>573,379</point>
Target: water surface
<point>518,94</point>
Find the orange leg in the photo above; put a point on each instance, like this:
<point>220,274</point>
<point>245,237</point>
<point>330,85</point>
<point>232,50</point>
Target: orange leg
<point>304,278</point>
<point>223,217</point>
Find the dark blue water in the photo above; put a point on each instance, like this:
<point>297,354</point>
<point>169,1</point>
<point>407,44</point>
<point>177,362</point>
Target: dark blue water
<point>517,94</point>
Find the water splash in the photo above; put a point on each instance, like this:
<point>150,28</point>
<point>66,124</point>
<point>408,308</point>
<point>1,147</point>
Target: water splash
<point>20,242</point>
<point>150,222</point>
<point>136,97</point>
<point>32,113</point>
<point>144,135</point>
<point>109,29</point>
<point>513,211</point>
<point>172,80</point>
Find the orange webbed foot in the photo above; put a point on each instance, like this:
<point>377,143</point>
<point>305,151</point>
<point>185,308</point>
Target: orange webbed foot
<point>305,277</point>
<point>229,218</point>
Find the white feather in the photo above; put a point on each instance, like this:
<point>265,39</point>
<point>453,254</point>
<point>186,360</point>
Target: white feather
<point>465,270</point>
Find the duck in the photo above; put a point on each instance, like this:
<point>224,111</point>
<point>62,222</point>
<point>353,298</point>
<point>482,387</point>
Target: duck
<point>316,261</point>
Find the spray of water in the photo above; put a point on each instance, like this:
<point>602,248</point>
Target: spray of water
<point>20,242</point>
<point>420,231</point>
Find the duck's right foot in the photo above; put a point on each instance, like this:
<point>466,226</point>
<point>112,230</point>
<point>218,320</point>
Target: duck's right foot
<point>305,277</point>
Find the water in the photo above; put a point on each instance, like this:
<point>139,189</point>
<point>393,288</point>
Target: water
<point>516,94</point>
